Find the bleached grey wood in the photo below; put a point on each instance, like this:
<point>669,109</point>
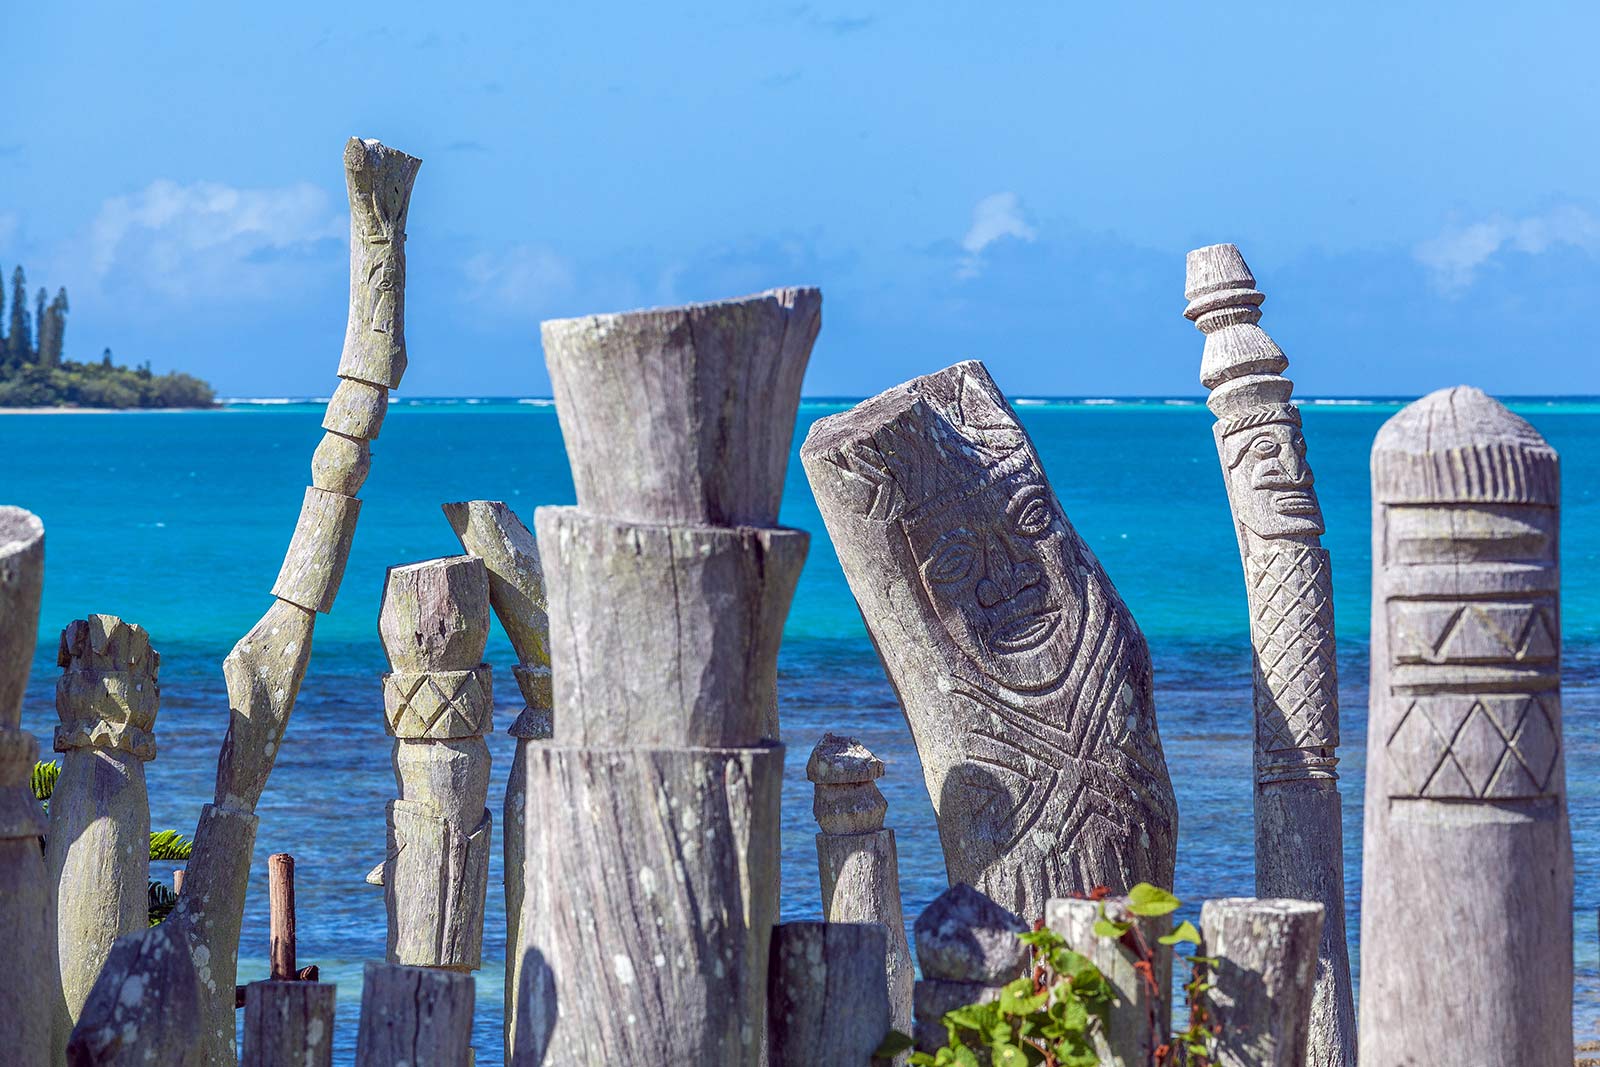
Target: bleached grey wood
<point>434,621</point>
<point>707,392</point>
<point>1264,982</point>
<point>30,988</point>
<point>196,949</point>
<point>674,854</point>
<point>98,853</point>
<point>1137,1023</point>
<point>416,1016</point>
<point>1022,674</point>
<point>288,1024</point>
<point>859,868</point>
<point>665,635</point>
<point>1466,803</point>
<point>828,1000</point>
<point>968,949</point>
<point>1299,842</point>
<point>341,464</point>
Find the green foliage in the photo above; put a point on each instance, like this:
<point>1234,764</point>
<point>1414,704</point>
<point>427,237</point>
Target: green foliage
<point>170,845</point>
<point>160,903</point>
<point>74,384</point>
<point>43,781</point>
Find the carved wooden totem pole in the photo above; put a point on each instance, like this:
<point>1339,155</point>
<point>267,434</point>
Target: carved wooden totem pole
<point>856,858</point>
<point>29,988</point>
<point>192,957</point>
<point>1466,918</point>
<point>438,702</point>
<point>1024,678</point>
<point>490,530</point>
<point>1288,579</point>
<point>651,871</point>
<point>98,851</point>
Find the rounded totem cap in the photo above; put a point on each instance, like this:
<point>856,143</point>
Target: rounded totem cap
<point>1461,445</point>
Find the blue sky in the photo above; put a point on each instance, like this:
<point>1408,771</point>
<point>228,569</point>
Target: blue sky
<point>1415,187</point>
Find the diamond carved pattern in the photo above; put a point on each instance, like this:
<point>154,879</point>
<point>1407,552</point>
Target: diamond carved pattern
<point>438,704</point>
<point>1465,747</point>
<point>1429,631</point>
<point>1291,607</point>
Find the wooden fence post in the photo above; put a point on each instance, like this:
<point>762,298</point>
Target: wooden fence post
<point>281,917</point>
<point>288,1023</point>
<point>1466,783</point>
<point>28,992</point>
<point>419,1016</point>
<point>968,948</point>
<point>1299,843</point>
<point>828,995</point>
<point>1141,1019</point>
<point>1264,981</point>
<point>657,801</point>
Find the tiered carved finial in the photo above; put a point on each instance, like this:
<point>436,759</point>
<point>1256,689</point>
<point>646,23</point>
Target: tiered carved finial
<point>98,851</point>
<point>1466,778</point>
<point>438,704</point>
<point>1289,583</point>
<point>968,948</point>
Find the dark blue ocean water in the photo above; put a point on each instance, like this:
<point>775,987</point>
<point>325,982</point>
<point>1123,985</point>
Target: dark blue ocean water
<point>178,521</point>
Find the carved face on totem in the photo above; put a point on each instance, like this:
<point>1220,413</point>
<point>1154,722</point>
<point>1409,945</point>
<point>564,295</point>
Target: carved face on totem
<point>385,278</point>
<point>1269,480</point>
<point>995,570</point>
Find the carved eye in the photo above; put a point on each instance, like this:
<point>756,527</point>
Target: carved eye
<point>1264,446</point>
<point>1034,518</point>
<point>953,563</point>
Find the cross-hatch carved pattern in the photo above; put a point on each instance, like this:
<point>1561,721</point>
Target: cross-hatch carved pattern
<point>1461,746</point>
<point>1291,607</point>
<point>1486,632</point>
<point>438,704</point>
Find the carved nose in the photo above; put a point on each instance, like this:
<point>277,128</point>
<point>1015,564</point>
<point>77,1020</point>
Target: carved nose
<point>1002,577</point>
<point>1295,469</point>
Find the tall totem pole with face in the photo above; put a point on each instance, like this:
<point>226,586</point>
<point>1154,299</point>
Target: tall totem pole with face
<point>1024,678</point>
<point>1299,843</point>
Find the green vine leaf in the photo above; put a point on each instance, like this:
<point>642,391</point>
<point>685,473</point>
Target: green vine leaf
<point>1184,934</point>
<point>894,1043</point>
<point>1145,899</point>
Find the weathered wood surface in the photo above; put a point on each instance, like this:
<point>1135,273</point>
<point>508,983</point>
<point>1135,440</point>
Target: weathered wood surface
<point>1138,1023</point>
<point>708,392</point>
<point>1299,843</point>
<point>674,855</point>
<point>98,846</point>
<point>856,859</point>
<point>828,1000</point>
<point>1024,678</point>
<point>1264,982</point>
<point>438,703</point>
<point>30,987</point>
<point>418,1016</point>
<point>288,1024</point>
<point>196,949</point>
<point>665,635</point>
<point>1466,799</point>
<point>968,949</point>
<point>281,931</point>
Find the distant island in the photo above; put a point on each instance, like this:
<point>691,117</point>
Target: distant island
<point>33,373</point>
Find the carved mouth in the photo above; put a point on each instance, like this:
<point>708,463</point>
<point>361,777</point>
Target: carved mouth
<point>1025,632</point>
<point>1294,503</point>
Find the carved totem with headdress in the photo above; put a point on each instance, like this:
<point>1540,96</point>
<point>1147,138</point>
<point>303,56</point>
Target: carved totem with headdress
<point>1023,676</point>
<point>1289,583</point>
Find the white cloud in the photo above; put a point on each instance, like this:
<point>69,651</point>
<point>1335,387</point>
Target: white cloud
<point>993,218</point>
<point>1454,257</point>
<point>520,279</point>
<point>206,238</point>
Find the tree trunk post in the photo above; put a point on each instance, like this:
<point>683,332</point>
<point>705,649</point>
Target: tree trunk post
<point>288,1022</point>
<point>1289,583</point>
<point>657,802</point>
<point>438,703</point>
<point>1264,981</point>
<point>490,530</point>
<point>98,846</point>
<point>1466,782</point>
<point>1023,676</point>
<point>264,670</point>
<point>968,948</point>
<point>1140,1020</point>
<point>856,858</point>
<point>828,994</point>
<point>281,918</point>
<point>420,1016</point>
<point>28,994</point>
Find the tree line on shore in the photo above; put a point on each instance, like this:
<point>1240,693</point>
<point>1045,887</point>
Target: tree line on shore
<point>33,372</point>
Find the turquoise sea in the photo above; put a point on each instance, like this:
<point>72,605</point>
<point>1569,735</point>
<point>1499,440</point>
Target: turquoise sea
<point>178,521</point>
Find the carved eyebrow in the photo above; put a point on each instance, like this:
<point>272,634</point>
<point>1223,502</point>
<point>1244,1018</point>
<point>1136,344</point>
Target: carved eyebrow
<point>956,534</point>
